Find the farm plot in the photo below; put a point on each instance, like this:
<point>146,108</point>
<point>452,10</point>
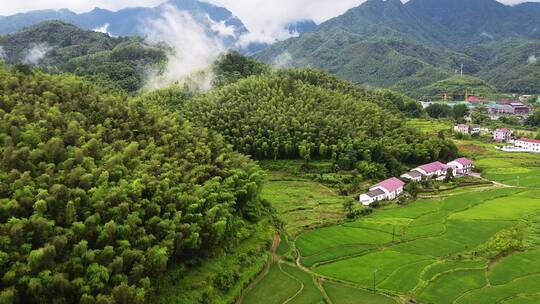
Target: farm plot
<point>429,255</point>
<point>341,294</point>
<point>302,203</point>
<point>275,288</point>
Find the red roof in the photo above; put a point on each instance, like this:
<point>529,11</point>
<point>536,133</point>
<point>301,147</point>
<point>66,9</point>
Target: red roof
<point>391,184</point>
<point>464,161</point>
<point>433,167</point>
<point>534,141</point>
<point>505,130</point>
<point>475,99</point>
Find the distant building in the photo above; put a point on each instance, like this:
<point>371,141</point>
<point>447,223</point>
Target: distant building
<point>385,190</point>
<point>461,166</point>
<point>529,145</point>
<point>414,176</point>
<point>476,100</point>
<point>502,135</point>
<point>509,107</point>
<point>461,128</point>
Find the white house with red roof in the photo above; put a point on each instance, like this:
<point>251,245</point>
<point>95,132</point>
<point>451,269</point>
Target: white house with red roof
<point>462,128</point>
<point>385,190</point>
<point>528,145</point>
<point>434,170</point>
<point>461,166</point>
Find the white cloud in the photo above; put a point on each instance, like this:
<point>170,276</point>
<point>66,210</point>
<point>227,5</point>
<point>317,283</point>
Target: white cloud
<point>283,60</point>
<point>2,53</point>
<point>532,59</point>
<point>103,29</point>
<point>221,28</point>
<point>35,54</point>
<point>193,48</point>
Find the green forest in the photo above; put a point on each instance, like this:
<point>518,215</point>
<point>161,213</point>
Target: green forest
<point>100,193</point>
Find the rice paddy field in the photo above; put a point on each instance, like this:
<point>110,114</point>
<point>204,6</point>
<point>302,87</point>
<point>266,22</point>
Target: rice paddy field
<point>476,245</point>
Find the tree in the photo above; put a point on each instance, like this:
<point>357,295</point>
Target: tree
<point>438,110</point>
<point>413,188</point>
<point>460,111</point>
<point>348,207</point>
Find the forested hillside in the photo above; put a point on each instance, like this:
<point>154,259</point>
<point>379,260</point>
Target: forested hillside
<point>308,114</point>
<point>410,46</point>
<point>100,193</point>
<point>59,47</point>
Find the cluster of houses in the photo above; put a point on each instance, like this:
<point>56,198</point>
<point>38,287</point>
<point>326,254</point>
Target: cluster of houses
<point>501,107</point>
<point>470,129</point>
<point>393,187</point>
<point>527,145</point>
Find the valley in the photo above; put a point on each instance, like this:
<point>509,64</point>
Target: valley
<point>454,247</point>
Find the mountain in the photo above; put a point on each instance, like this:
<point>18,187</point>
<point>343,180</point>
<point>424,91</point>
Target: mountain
<point>301,26</point>
<point>58,47</point>
<point>217,21</point>
<point>414,45</point>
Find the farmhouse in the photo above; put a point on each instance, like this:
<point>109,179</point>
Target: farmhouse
<point>461,166</point>
<point>435,169</point>
<point>502,135</point>
<point>461,128</point>
<point>529,145</point>
<point>386,190</point>
<point>414,176</point>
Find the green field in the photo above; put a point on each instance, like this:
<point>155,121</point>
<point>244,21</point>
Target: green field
<point>475,244</point>
<point>302,203</point>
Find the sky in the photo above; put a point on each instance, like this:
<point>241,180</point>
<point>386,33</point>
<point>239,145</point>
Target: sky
<point>252,11</point>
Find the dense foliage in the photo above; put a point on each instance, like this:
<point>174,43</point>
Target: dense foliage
<point>60,47</point>
<point>100,193</point>
<point>308,114</point>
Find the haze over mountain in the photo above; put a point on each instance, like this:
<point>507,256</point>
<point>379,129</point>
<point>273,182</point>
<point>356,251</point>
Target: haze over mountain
<point>411,46</point>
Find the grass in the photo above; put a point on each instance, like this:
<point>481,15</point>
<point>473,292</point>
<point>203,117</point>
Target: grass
<point>406,278</point>
<point>443,266</point>
<point>429,126</point>
<point>447,288</point>
<point>512,267</point>
<point>275,288</point>
<point>495,294</point>
<point>360,269</point>
<point>319,240</point>
<point>310,293</point>
<point>341,294</point>
<point>302,203</point>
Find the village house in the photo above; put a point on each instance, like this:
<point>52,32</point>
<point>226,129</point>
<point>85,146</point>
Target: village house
<point>414,176</point>
<point>432,170</point>
<point>462,128</point>
<point>502,135</point>
<point>461,166</point>
<point>386,190</point>
<point>529,145</point>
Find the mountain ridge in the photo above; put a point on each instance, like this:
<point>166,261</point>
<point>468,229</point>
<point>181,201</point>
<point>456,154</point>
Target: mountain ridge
<point>389,44</point>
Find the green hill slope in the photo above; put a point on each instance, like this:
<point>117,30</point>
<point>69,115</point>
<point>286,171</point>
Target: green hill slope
<point>99,193</point>
<point>60,47</point>
<point>411,46</point>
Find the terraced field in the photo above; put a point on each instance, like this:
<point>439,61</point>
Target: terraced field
<point>474,245</point>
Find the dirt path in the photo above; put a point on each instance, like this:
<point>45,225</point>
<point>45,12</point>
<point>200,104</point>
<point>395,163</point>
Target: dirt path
<point>264,272</point>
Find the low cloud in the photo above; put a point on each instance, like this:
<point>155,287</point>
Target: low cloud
<point>35,54</point>
<point>221,28</point>
<point>3,54</point>
<point>103,29</point>
<point>487,35</point>
<point>193,48</point>
<point>283,60</point>
<point>532,59</point>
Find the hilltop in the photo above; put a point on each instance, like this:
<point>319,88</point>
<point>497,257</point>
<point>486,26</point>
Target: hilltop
<point>59,47</point>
